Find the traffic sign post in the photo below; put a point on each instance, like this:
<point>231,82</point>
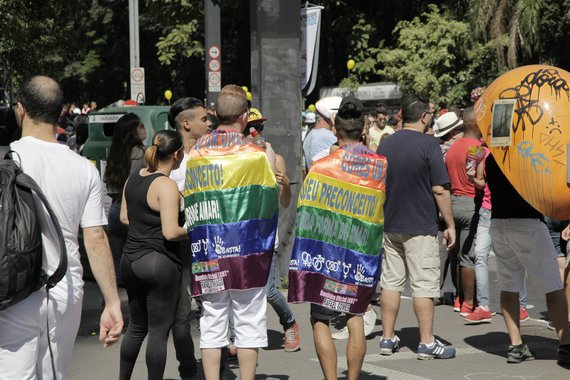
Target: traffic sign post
<point>214,82</point>
<point>214,65</point>
<point>213,69</point>
<point>137,85</point>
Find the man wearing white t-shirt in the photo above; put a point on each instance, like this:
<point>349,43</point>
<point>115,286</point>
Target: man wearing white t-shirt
<point>72,186</point>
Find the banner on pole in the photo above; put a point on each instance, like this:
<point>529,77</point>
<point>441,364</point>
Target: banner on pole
<point>310,36</point>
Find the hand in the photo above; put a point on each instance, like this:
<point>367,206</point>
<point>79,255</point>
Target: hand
<point>449,237</point>
<point>111,325</point>
<point>471,171</point>
<point>282,178</point>
<point>565,234</point>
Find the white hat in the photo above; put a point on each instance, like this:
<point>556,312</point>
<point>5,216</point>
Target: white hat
<point>328,106</point>
<point>310,118</point>
<point>446,123</point>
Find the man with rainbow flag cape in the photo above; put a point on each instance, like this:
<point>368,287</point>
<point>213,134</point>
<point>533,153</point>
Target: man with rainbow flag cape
<point>231,203</point>
<point>335,263</point>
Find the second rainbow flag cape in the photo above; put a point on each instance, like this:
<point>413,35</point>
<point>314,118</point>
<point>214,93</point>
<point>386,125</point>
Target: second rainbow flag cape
<point>340,222</point>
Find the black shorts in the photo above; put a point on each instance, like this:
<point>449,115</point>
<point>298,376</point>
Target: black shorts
<point>322,313</point>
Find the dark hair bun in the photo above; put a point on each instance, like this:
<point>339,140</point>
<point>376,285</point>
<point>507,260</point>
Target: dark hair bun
<point>350,108</point>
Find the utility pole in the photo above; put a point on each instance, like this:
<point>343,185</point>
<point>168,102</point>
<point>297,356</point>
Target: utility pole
<point>134,33</point>
<point>136,77</point>
<point>213,51</point>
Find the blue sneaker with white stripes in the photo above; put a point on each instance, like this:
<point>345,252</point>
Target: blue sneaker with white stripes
<point>389,346</point>
<point>435,351</point>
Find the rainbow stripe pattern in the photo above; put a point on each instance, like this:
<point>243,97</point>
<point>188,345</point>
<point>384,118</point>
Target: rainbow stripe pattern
<point>340,223</point>
<point>231,202</point>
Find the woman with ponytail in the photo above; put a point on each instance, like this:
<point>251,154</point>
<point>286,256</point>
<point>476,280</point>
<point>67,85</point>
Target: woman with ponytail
<point>151,266</point>
<point>126,156</point>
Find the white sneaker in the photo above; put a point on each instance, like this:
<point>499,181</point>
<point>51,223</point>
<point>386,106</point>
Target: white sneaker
<point>369,321</point>
<point>341,334</point>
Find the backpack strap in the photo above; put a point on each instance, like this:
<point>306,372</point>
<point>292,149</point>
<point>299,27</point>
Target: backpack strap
<point>27,181</point>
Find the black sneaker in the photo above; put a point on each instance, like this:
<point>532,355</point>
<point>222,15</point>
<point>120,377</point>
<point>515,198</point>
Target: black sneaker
<point>564,355</point>
<point>519,353</point>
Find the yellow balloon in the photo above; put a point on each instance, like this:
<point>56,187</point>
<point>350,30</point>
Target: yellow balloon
<point>350,64</point>
<point>248,96</point>
<point>312,108</point>
<point>168,94</point>
<point>245,89</point>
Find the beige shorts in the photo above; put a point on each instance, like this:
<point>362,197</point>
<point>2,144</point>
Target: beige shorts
<point>413,257</point>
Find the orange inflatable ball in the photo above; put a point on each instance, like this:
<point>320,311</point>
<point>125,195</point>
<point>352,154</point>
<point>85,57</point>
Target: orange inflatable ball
<point>524,116</point>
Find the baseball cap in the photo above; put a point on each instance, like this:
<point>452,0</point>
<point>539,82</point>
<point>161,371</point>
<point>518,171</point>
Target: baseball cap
<point>328,106</point>
<point>255,115</point>
<point>310,118</point>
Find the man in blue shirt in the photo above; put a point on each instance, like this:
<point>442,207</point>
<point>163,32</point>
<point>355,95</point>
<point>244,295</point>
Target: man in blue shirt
<point>417,186</point>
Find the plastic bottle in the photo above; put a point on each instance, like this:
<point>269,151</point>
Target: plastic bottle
<point>257,139</point>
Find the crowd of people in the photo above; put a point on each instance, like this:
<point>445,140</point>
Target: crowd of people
<point>442,180</point>
<point>195,215</point>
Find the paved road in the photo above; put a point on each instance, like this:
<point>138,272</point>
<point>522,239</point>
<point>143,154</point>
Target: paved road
<point>481,350</point>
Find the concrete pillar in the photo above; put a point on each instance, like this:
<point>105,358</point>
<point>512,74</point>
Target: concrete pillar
<point>275,82</point>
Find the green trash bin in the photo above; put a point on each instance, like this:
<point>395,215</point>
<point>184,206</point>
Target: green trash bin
<point>96,149</point>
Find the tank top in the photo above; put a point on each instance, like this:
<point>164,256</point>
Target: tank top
<point>145,228</point>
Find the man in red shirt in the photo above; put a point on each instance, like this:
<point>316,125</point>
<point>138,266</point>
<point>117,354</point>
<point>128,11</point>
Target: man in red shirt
<point>465,211</point>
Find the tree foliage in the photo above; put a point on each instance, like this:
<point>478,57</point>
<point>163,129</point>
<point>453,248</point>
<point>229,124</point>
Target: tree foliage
<point>512,25</point>
<point>434,55</point>
<point>444,49</point>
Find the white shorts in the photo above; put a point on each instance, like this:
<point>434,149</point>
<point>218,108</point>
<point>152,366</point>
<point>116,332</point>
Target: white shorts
<point>24,350</point>
<point>524,245</point>
<point>248,308</point>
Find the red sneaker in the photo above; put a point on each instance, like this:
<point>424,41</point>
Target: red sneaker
<point>232,352</point>
<point>524,315</point>
<point>479,316</point>
<point>457,305</point>
<point>292,338</point>
<point>466,309</point>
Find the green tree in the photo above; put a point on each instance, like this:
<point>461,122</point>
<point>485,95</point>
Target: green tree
<point>513,26</point>
<point>435,55</point>
<point>32,34</point>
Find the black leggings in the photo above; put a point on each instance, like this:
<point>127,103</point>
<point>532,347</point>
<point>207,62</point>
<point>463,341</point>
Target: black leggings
<point>153,288</point>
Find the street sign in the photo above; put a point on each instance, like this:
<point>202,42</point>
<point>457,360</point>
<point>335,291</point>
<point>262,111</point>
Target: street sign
<point>214,52</point>
<point>214,81</point>
<point>214,65</point>
<point>137,85</point>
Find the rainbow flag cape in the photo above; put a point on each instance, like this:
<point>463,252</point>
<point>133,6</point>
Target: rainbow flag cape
<point>231,202</point>
<point>340,222</point>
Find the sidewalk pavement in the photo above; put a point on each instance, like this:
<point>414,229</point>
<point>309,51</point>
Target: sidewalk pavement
<point>481,349</point>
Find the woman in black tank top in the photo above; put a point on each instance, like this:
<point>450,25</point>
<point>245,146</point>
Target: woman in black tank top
<point>151,267</point>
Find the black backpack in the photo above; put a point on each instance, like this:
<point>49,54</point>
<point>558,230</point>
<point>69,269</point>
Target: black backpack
<point>21,236</point>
